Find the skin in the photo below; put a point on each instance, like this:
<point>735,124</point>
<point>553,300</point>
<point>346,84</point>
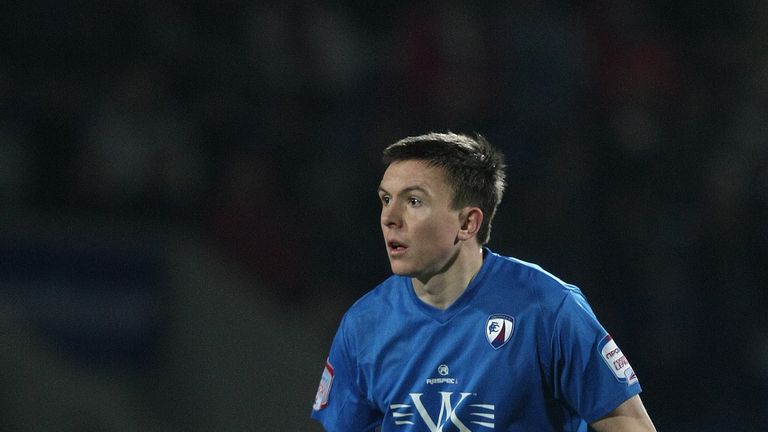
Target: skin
<point>630,416</point>
<point>436,246</point>
<point>439,248</point>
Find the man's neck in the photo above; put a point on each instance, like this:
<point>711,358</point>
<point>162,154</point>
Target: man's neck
<point>442,290</point>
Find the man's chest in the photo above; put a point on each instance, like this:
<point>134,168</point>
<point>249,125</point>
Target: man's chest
<point>455,375</point>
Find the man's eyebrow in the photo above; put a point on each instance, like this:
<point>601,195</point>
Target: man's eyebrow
<point>414,188</point>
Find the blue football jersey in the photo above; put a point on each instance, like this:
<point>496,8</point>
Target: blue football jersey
<point>519,350</point>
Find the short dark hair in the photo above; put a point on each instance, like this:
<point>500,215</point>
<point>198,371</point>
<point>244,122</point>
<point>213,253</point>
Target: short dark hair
<point>473,168</point>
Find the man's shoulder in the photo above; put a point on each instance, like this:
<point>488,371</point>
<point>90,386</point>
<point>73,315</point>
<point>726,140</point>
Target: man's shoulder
<point>382,296</point>
<point>530,277</point>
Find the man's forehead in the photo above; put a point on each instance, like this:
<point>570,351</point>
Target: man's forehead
<point>413,174</point>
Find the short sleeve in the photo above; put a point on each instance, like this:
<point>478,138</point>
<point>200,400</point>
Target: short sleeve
<point>340,404</point>
<point>592,375</point>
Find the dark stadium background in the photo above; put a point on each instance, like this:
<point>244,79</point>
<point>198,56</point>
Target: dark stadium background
<point>187,192</point>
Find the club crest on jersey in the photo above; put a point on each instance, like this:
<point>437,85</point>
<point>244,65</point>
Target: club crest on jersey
<point>498,329</point>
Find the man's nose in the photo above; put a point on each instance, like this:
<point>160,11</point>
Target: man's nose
<point>391,216</point>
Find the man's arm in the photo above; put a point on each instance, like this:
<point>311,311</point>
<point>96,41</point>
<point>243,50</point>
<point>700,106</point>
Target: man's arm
<point>630,416</point>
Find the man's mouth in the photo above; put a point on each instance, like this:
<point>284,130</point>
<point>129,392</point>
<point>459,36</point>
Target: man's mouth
<point>396,247</point>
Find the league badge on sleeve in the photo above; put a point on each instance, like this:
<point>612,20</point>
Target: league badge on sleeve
<point>324,389</point>
<point>616,360</point>
<point>498,329</point>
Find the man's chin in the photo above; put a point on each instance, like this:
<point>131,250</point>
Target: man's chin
<point>401,270</point>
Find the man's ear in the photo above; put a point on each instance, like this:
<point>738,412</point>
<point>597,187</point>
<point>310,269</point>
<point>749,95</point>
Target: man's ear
<point>471,218</point>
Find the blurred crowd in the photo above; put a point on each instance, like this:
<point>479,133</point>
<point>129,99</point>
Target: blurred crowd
<point>636,134</point>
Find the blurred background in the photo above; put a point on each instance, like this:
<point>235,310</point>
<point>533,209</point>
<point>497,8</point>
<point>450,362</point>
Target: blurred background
<point>188,192</point>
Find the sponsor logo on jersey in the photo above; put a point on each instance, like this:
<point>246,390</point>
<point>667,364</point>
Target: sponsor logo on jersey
<point>324,389</point>
<point>438,419</point>
<point>443,371</point>
<point>616,361</point>
<point>499,329</point>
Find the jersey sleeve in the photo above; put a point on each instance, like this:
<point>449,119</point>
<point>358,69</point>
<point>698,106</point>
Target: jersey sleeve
<point>592,375</point>
<point>340,404</point>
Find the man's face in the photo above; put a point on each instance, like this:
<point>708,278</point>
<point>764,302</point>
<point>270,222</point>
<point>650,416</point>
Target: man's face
<point>419,225</point>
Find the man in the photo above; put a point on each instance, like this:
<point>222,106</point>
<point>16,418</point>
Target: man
<point>460,338</point>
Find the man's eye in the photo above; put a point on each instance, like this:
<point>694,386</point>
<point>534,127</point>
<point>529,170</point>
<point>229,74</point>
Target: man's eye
<point>385,199</point>
<point>414,201</point>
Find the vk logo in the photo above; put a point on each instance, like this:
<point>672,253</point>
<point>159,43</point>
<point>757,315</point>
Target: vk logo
<point>477,414</point>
